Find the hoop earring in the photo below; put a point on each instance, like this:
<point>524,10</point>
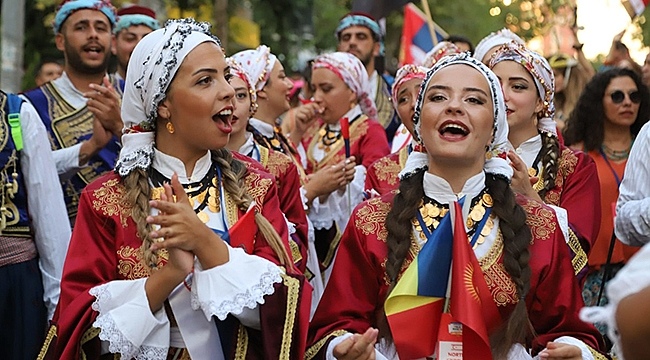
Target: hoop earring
<point>170,127</point>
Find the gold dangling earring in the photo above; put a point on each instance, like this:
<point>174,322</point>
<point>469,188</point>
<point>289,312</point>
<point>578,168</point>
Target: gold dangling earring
<point>170,127</point>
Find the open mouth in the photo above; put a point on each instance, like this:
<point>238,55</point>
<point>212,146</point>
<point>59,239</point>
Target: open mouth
<point>93,49</point>
<point>453,130</point>
<point>223,119</point>
<point>509,111</point>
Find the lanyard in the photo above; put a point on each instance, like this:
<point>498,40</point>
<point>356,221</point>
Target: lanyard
<point>618,180</point>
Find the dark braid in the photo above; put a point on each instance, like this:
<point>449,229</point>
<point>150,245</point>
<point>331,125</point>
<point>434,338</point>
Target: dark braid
<point>516,239</point>
<point>550,159</point>
<point>398,222</point>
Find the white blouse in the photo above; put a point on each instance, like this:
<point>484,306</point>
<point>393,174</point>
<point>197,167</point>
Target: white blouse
<point>237,287</point>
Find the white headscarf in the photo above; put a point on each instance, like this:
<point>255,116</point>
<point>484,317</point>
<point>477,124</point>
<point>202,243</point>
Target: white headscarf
<point>495,162</point>
<point>258,64</point>
<point>444,48</point>
<point>153,64</point>
<point>498,38</point>
<point>351,70</point>
<point>542,74</point>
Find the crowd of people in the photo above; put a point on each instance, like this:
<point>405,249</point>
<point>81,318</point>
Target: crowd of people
<point>488,203</point>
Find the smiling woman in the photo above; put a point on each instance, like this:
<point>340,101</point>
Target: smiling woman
<point>170,256</point>
<point>460,117</point>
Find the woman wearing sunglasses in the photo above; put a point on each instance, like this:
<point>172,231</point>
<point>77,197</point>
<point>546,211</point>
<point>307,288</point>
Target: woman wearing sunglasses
<point>546,170</point>
<point>607,117</point>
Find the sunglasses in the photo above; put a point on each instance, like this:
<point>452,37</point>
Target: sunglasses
<point>618,96</point>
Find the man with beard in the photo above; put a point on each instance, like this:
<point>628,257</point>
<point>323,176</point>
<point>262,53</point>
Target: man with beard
<point>134,23</point>
<point>360,35</point>
<point>81,109</point>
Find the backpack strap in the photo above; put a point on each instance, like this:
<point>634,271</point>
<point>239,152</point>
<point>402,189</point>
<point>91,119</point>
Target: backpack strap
<point>13,106</point>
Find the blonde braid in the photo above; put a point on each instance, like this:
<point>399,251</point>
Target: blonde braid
<point>233,172</point>
<point>138,193</point>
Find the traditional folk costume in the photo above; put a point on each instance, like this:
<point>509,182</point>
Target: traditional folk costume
<point>257,64</point>
<point>281,164</point>
<point>249,307</point>
<point>363,254</point>
<point>326,148</point>
<point>575,196</point>
<point>379,85</point>
<point>68,120</point>
<point>383,175</point>
<point>34,232</point>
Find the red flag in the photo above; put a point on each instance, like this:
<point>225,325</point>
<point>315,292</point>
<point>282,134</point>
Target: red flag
<point>345,133</point>
<point>242,234</point>
<point>471,302</point>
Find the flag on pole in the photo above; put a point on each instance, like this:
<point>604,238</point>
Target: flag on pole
<point>416,38</point>
<point>418,296</point>
<point>635,7</point>
<point>471,300</point>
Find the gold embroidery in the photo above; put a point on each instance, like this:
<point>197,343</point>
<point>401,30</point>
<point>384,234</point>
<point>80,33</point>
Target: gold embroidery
<point>540,219</point>
<point>502,288</point>
<point>333,246</point>
<point>293,287</point>
<point>596,354</point>
<point>51,334</point>
<point>242,343</point>
<point>277,163</point>
<point>90,334</point>
<point>580,259</point>
<point>371,218</point>
<point>387,170</point>
<point>295,251</point>
<point>566,166</point>
<point>130,264</point>
<point>314,349</point>
<point>257,188</point>
<point>110,200</point>
<point>494,253</point>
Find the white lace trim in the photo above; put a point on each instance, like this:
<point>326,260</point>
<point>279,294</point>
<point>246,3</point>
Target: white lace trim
<point>118,343</point>
<point>250,298</point>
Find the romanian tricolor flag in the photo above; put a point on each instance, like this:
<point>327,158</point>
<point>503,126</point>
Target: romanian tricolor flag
<point>416,38</point>
<point>418,296</point>
<point>635,7</point>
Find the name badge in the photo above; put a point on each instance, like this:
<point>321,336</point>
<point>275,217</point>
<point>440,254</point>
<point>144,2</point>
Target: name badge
<point>450,339</point>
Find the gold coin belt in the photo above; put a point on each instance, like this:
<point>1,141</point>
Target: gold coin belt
<point>432,213</point>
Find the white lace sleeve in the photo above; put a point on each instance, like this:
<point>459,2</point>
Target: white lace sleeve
<point>240,283</point>
<point>336,208</point>
<point>126,322</point>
